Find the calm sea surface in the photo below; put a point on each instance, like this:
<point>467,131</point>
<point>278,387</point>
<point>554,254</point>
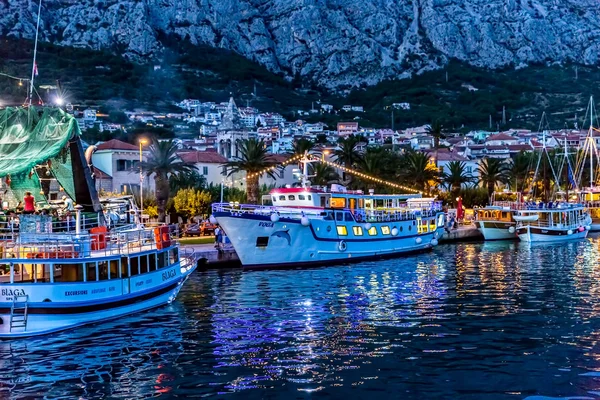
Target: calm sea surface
<point>467,321</point>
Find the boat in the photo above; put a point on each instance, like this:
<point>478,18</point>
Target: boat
<point>496,221</point>
<point>553,223</point>
<point>310,225</point>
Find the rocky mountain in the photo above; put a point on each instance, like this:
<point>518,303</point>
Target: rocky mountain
<point>337,43</point>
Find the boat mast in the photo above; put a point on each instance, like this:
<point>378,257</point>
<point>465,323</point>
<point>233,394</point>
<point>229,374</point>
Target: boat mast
<point>591,142</point>
<point>33,67</point>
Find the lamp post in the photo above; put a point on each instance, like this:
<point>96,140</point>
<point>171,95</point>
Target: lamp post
<point>142,142</point>
<point>325,152</point>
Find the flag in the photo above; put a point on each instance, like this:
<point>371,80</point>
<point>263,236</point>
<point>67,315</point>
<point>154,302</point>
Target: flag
<point>35,69</point>
<point>570,174</point>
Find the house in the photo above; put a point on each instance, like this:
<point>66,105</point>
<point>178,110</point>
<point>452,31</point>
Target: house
<point>357,108</point>
<point>421,142</point>
<point>501,139</point>
<point>445,157</point>
<point>347,108</point>
<point>401,106</point>
<point>119,162</point>
<point>327,107</point>
<point>347,128</point>
<point>209,164</point>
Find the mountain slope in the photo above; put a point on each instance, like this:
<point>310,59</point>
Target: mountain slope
<point>337,43</point>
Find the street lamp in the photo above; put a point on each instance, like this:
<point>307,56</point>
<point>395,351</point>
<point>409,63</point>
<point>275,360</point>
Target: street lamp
<point>325,152</point>
<point>142,142</point>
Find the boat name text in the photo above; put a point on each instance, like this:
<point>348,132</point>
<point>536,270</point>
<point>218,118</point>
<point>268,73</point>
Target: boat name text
<point>76,292</point>
<point>168,275</point>
<point>266,224</point>
<point>13,292</point>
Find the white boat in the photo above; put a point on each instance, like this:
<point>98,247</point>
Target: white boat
<point>310,225</point>
<point>496,221</point>
<point>564,222</point>
<point>54,281</point>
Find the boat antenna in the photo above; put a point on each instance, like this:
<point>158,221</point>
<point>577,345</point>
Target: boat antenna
<point>34,66</point>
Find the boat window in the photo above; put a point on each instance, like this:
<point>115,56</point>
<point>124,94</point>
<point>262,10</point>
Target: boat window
<point>291,197</point>
<point>144,264</point>
<point>301,197</point>
<point>114,269</point>
<point>102,270</point>
<point>309,197</point>
<point>373,231</point>
<point>504,215</point>
<point>134,265</point>
<point>281,197</point>
<point>262,241</point>
<point>401,228</point>
<point>173,256</point>
<point>385,230</point>
<point>162,259</point>
<point>152,261</point>
<point>341,230</point>
<point>410,228</point>
<point>348,217</point>
<point>91,272</point>
<point>328,216</point>
<point>124,269</point>
<point>274,199</point>
<point>337,202</point>
<point>339,216</point>
<point>357,230</point>
<point>68,273</point>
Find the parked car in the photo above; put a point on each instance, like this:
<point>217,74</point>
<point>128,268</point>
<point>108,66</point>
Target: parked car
<point>206,228</point>
<point>203,229</point>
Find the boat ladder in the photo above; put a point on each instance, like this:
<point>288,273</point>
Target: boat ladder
<point>18,313</point>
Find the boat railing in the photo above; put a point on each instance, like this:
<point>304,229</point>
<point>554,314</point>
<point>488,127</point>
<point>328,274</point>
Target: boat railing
<point>392,215</point>
<point>70,245</point>
<point>509,205</point>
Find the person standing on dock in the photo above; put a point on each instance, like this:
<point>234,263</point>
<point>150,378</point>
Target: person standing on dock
<point>218,237</point>
<point>28,203</point>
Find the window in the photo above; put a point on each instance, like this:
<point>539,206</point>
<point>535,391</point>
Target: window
<point>342,231</point>
<point>121,165</point>
<point>103,270</point>
<point>385,230</point>
<point>204,170</point>
<point>162,259</point>
<point>339,216</point>
<point>291,197</point>
<point>173,256</point>
<point>401,228</point>
<point>281,197</point>
<point>91,271</point>
<point>301,197</point>
<point>114,269</point>
<point>373,231</point>
<point>262,241</point>
<point>468,170</point>
<point>68,273</point>
<point>348,217</point>
<point>124,269</point>
<point>152,262</point>
<point>357,231</point>
<point>309,197</point>
<point>134,265</point>
<point>274,199</point>
<point>282,174</point>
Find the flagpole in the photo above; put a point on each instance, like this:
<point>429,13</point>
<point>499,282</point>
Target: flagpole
<point>34,68</point>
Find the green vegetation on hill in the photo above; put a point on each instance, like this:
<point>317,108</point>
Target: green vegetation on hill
<point>466,98</point>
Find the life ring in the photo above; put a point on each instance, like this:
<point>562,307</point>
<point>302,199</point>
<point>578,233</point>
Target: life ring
<point>342,246</point>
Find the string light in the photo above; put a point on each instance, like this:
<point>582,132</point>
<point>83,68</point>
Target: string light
<point>343,168</point>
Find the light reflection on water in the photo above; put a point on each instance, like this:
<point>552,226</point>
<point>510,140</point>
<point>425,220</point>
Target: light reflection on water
<point>490,320</point>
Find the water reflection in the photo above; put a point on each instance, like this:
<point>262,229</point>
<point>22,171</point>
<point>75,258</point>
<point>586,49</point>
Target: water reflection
<point>497,320</point>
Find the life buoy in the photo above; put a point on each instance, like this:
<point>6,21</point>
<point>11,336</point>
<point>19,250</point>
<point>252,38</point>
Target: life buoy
<point>342,246</point>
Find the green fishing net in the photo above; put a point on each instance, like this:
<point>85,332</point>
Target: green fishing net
<point>29,136</point>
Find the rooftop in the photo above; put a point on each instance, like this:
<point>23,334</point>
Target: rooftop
<point>115,144</point>
<point>207,157</point>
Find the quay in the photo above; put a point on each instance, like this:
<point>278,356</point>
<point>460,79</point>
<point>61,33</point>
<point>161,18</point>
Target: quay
<point>464,233</point>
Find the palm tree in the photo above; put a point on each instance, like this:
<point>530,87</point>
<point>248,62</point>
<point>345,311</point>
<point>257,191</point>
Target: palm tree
<point>187,180</point>
<point>253,160</point>
<point>347,152</point>
<point>419,171</point>
<point>436,130</point>
<point>323,174</point>
<point>163,162</point>
<point>520,169</point>
<point>456,177</point>
<point>302,146</point>
<point>492,171</point>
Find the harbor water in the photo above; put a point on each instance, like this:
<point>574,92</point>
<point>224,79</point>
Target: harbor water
<point>467,321</point>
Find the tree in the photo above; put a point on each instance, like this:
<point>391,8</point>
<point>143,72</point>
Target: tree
<point>323,174</point>
<point>520,170</point>
<point>187,180</point>
<point>163,162</point>
<point>254,161</point>
<point>347,152</point>
<point>302,146</point>
<point>456,177</point>
<point>419,171</point>
<point>492,171</point>
<point>436,131</point>
<point>191,203</point>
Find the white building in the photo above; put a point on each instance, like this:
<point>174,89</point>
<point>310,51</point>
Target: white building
<point>208,164</point>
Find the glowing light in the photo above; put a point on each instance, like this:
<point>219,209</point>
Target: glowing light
<point>59,101</point>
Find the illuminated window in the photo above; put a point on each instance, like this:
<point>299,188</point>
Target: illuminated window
<point>301,197</point>
<point>281,197</point>
<point>357,230</point>
<point>373,231</point>
<point>291,197</point>
<point>342,231</point>
<point>385,230</point>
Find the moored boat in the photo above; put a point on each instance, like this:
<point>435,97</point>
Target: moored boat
<point>496,221</point>
<point>566,221</point>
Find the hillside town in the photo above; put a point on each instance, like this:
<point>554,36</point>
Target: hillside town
<point>208,134</point>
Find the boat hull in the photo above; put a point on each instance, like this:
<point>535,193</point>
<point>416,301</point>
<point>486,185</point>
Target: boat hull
<point>538,235</point>
<point>494,230</point>
<point>260,242</point>
<point>132,296</point>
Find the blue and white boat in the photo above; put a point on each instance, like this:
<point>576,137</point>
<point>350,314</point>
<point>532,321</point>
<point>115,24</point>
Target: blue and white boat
<point>310,225</point>
<point>52,281</point>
